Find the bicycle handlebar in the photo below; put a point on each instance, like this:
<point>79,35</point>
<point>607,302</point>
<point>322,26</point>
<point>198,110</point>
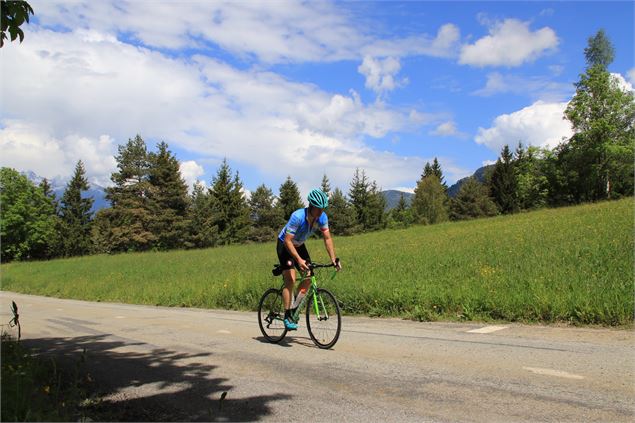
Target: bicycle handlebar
<point>320,265</point>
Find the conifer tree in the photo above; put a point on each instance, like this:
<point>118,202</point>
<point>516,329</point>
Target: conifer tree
<point>76,215</point>
<point>342,216</point>
<point>203,232</point>
<point>326,185</point>
<point>289,199</point>
<point>368,202</point>
<point>129,219</point>
<point>504,184</point>
<point>435,170</point>
<point>168,199</point>
<point>266,219</point>
<point>429,204</point>
<point>401,216</point>
<point>230,211</point>
<point>472,201</point>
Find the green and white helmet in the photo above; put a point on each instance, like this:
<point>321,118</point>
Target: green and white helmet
<point>318,199</point>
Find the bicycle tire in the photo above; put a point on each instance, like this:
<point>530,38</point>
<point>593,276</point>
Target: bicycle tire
<point>325,328</point>
<point>271,315</point>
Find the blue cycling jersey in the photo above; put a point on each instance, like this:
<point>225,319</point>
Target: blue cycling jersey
<point>298,226</point>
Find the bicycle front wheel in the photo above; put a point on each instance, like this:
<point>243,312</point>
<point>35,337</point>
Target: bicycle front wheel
<point>323,320</point>
<point>271,315</point>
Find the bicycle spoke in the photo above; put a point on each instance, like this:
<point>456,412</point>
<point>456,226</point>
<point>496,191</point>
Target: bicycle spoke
<point>324,325</point>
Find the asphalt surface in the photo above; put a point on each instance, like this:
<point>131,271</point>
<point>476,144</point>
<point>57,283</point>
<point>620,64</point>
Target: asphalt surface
<point>174,364</point>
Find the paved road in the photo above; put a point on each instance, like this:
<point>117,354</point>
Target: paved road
<point>155,363</point>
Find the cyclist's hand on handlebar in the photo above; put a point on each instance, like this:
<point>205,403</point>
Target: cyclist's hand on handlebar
<point>303,265</point>
<point>337,264</point>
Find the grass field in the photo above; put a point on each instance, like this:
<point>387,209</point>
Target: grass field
<point>571,265</point>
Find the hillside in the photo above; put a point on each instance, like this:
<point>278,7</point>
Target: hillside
<point>572,264</point>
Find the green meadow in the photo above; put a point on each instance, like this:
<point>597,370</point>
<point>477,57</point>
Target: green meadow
<point>572,265</point>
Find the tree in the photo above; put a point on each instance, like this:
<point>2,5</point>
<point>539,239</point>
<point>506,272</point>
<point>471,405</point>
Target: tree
<point>326,185</point>
<point>532,181</point>
<point>203,232</point>
<point>429,205</point>
<point>598,163</point>
<point>472,201</point>
<point>401,216</point>
<point>13,15</point>
<point>368,202</point>
<point>27,219</point>
<point>435,170</point>
<point>76,215</point>
<point>289,199</point>
<point>503,183</point>
<point>342,217</point>
<point>168,199</point>
<point>599,50</point>
<point>130,216</point>
<point>266,219</point>
<point>230,212</point>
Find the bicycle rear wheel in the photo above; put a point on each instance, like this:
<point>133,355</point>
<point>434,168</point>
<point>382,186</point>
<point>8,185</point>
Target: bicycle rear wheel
<point>271,315</point>
<point>325,323</point>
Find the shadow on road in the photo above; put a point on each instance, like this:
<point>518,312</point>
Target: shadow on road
<point>132,381</point>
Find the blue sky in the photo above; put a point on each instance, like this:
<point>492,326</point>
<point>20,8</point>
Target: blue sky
<point>298,88</point>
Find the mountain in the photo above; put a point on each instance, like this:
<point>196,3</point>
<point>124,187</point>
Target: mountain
<point>392,198</point>
<point>58,186</point>
<point>479,175</point>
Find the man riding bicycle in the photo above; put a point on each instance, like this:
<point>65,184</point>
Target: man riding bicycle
<point>293,253</point>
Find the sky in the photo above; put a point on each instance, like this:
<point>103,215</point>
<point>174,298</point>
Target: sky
<point>300,89</point>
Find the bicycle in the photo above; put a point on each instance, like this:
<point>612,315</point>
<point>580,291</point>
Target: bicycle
<point>323,315</point>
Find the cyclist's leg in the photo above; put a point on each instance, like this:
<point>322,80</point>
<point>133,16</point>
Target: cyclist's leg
<point>288,274</point>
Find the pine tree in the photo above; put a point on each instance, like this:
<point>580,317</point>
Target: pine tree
<point>400,216</point>
<point>472,201</point>
<point>203,233</point>
<point>230,212</point>
<point>266,219</point>
<point>429,204</point>
<point>326,185</point>
<point>289,200</point>
<point>368,202</point>
<point>168,199</point>
<point>504,184</point>
<point>130,216</point>
<point>342,217</point>
<point>75,215</point>
<point>435,170</point>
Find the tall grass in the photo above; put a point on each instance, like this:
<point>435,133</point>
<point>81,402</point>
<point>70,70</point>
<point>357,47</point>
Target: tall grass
<point>571,264</point>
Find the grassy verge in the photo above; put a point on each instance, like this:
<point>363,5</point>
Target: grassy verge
<point>38,389</point>
<point>571,265</point>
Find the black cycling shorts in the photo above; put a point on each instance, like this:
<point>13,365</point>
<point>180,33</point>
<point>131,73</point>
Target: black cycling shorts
<point>286,260</point>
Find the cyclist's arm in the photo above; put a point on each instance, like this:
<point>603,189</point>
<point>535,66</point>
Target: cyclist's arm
<point>294,253</point>
<point>328,243</point>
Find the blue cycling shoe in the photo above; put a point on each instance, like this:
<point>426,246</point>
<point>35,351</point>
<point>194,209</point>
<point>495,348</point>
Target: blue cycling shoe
<point>290,324</point>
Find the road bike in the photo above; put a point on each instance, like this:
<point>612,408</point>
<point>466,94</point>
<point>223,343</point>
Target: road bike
<point>323,315</point>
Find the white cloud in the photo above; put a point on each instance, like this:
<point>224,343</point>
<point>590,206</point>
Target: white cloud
<point>631,76</point>
<point>26,146</point>
<point>509,43</point>
<point>291,31</point>
<point>86,87</point>
<point>190,171</point>
<point>381,74</point>
<point>539,88</point>
<point>540,124</point>
<point>622,82</point>
<point>448,129</point>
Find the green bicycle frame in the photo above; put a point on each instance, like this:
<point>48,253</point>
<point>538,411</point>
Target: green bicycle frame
<point>311,293</point>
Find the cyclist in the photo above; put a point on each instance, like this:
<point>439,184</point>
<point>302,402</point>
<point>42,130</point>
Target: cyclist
<point>293,253</point>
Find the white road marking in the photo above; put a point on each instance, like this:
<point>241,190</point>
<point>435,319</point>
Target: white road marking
<point>224,331</point>
<point>488,329</point>
<point>552,372</point>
